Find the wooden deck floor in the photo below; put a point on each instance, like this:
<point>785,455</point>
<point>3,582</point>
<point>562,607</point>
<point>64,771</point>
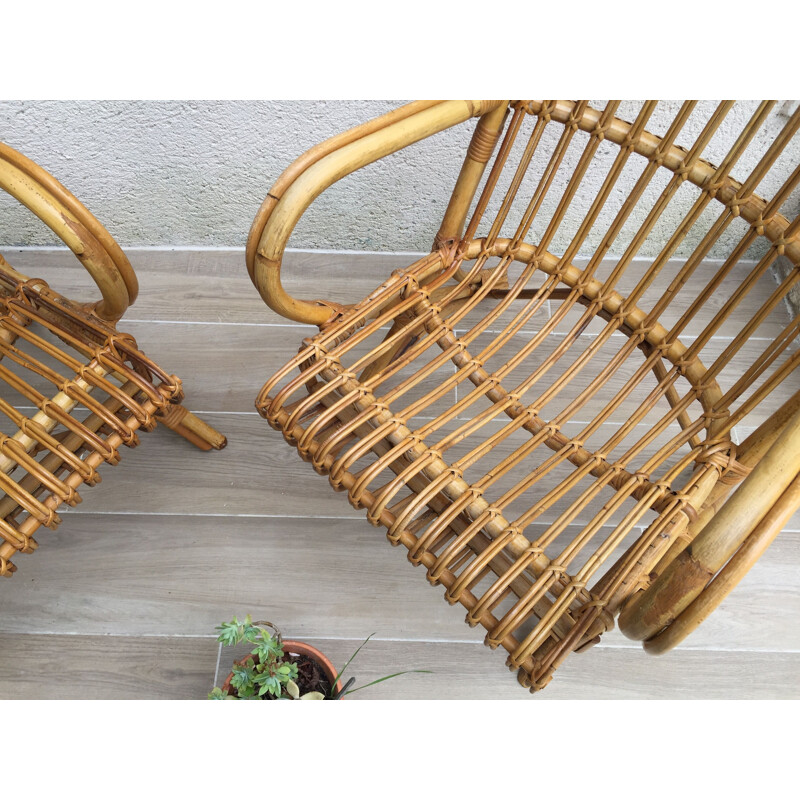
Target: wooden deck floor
<point>121,601</point>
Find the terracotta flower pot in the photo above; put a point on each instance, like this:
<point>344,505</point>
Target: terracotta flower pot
<point>294,648</point>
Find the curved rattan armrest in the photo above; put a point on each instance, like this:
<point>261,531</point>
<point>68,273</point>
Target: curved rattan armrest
<point>321,167</point>
<point>74,224</point>
<point>703,574</point>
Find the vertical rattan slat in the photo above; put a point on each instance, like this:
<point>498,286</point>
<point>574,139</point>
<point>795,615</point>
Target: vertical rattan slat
<point>543,411</point>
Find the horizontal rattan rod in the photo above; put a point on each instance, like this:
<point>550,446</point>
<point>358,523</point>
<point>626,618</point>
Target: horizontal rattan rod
<point>684,579</point>
<point>436,471</point>
<point>69,387</point>
<point>63,453</point>
<point>61,400</point>
<point>455,486</point>
<point>499,564</point>
<point>322,174</point>
<point>700,172</point>
<point>67,221</point>
<point>576,454</point>
<point>74,480</point>
<point>427,559</point>
<point>729,576</point>
<point>612,303</point>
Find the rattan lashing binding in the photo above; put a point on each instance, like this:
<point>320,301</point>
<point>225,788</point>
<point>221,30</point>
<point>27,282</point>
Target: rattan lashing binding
<point>550,434</point>
<point>74,389</point>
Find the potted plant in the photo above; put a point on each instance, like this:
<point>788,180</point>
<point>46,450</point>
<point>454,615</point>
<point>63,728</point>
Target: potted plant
<point>282,669</point>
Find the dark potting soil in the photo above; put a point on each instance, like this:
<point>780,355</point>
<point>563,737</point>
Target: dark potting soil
<point>310,677</point>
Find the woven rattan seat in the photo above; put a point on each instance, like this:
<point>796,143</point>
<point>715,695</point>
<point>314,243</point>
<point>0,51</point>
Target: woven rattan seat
<point>73,389</point>
<point>551,410</point>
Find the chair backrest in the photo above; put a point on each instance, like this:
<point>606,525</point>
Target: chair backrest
<point>689,215</point>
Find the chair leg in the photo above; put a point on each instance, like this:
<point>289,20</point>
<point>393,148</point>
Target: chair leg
<point>192,428</point>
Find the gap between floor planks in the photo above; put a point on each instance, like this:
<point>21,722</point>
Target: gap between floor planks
<point>222,280</point>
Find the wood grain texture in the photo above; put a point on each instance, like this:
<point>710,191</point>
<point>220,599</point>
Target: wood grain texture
<point>161,575</point>
<point>112,570</point>
<point>169,668</point>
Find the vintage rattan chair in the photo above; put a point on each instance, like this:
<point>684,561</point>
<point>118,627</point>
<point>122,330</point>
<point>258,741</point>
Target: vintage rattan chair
<point>73,388</point>
<point>551,410</point>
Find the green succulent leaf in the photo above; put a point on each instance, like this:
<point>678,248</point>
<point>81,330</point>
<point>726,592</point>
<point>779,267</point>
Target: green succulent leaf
<point>251,635</point>
<point>313,696</point>
<point>230,632</point>
<point>243,675</point>
<point>217,694</point>
<point>292,689</point>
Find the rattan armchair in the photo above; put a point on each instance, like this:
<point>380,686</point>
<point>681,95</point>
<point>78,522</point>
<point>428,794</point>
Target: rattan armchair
<point>74,389</point>
<point>580,407</point>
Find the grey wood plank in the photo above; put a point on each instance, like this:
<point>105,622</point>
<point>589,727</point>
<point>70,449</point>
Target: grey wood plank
<point>213,285</point>
<point>176,574</point>
<point>164,574</point>
<point>223,367</point>
<point>257,473</point>
<point>113,667</point>
<point>105,667</point>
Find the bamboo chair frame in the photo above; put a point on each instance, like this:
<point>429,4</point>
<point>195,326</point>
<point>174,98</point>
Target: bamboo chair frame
<point>662,536</point>
<point>90,387</point>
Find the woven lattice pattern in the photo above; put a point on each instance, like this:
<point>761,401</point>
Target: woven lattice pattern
<point>73,391</point>
<point>543,430</point>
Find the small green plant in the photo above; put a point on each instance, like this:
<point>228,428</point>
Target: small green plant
<point>265,671</point>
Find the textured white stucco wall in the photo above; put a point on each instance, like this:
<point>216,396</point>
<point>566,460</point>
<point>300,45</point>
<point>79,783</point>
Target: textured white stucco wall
<point>194,173</point>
